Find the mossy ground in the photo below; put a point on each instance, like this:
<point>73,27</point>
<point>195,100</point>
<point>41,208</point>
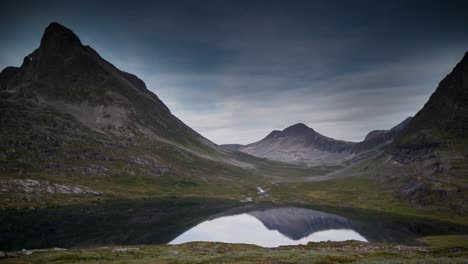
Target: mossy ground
<point>350,192</point>
<point>208,252</point>
<point>449,241</point>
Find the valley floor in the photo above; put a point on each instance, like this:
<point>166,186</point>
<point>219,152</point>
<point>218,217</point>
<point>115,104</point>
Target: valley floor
<point>352,192</point>
<point>438,250</point>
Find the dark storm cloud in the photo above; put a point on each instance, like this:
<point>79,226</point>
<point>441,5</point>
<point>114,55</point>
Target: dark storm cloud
<point>235,70</point>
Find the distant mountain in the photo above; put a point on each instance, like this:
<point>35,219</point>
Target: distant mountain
<point>301,144</point>
<point>298,144</point>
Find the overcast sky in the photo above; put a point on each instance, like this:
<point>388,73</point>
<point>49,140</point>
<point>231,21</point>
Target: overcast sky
<point>235,70</point>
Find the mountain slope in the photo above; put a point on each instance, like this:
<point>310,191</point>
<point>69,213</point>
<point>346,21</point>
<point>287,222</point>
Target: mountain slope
<point>378,138</point>
<point>64,74</point>
<point>445,116</point>
<point>301,144</point>
<point>72,124</point>
<point>428,161</point>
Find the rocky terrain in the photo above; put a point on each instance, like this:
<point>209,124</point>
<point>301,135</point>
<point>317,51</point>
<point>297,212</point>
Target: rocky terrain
<point>35,186</point>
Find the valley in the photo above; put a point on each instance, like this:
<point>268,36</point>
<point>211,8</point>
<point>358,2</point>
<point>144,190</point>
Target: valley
<point>81,139</point>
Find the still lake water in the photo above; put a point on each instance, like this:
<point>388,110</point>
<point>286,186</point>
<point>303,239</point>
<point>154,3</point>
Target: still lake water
<point>179,221</point>
<point>273,227</point>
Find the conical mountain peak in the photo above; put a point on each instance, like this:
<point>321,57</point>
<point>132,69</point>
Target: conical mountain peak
<point>299,126</point>
<point>57,35</point>
<point>298,129</point>
<point>74,80</point>
<point>57,44</point>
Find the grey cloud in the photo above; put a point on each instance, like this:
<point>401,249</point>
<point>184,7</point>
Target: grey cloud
<point>235,70</point>
<point>348,108</point>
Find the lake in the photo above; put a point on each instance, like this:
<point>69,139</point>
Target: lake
<point>273,227</point>
<point>178,221</point>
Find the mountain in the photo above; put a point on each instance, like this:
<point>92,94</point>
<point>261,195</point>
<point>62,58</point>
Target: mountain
<point>301,144</point>
<point>429,158</point>
<point>72,123</point>
<point>76,129</point>
<point>444,118</point>
<point>64,74</point>
<point>298,144</point>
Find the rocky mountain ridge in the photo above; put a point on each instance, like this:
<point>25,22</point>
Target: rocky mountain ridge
<point>301,144</point>
<point>64,74</point>
<point>69,117</point>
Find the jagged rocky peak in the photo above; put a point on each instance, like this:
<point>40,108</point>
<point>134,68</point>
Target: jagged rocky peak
<point>62,69</point>
<point>58,46</point>
<point>59,37</point>
<point>61,64</point>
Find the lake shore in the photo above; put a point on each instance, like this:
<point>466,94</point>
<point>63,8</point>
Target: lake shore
<point>437,250</point>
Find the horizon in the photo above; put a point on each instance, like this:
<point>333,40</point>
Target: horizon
<point>244,70</point>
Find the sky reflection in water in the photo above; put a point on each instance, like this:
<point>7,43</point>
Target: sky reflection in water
<point>247,228</point>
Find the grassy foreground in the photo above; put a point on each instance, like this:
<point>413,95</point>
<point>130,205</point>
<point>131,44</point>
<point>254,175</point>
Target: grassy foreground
<point>209,252</point>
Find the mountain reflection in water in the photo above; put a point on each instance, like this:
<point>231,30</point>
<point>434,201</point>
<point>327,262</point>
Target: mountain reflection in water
<point>175,221</point>
<point>273,227</point>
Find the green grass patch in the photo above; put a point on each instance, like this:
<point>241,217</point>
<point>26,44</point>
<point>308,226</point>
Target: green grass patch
<point>448,241</point>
